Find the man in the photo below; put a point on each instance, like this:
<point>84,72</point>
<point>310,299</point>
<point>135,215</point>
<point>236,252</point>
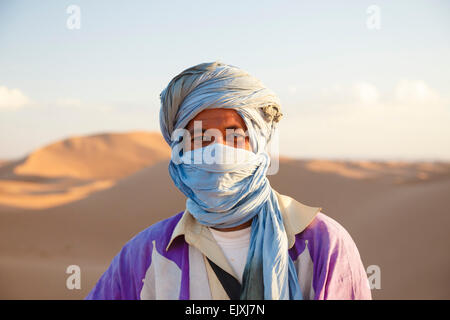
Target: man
<point>237,238</point>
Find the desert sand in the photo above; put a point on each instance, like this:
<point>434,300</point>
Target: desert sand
<point>79,200</point>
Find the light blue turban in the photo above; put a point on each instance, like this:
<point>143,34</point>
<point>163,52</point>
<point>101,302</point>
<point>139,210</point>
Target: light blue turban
<point>228,195</point>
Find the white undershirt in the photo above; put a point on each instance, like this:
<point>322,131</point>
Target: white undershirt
<point>234,245</point>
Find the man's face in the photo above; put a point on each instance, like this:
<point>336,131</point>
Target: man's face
<point>224,126</point>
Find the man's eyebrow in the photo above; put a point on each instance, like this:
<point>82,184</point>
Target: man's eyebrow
<point>233,127</point>
<point>191,131</point>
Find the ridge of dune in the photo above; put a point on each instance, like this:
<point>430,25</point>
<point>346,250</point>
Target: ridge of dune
<point>70,169</point>
<point>396,172</point>
<point>97,156</point>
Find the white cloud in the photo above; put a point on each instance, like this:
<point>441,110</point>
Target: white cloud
<point>357,93</point>
<point>415,92</point>
<point>14,99</point>
<point>409,120</point>
<point>365,92</point>
<point>11,99</point>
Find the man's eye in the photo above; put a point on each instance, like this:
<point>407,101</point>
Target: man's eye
<point>236,136</point>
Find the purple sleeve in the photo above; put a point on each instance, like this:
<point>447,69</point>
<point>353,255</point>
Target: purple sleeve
<point>338,270</point>
<point>123,278</point>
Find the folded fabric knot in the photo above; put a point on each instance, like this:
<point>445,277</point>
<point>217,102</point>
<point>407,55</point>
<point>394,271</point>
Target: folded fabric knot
<point>272,113</point>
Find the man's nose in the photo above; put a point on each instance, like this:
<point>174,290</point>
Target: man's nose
<point>223,140</point>
<point>220,139</point>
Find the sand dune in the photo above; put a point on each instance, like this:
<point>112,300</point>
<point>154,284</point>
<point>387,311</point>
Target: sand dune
<point>395,211</point>
<point>100,156</point>
<point>70,169</point>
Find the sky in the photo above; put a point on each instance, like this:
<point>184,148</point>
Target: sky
<point>357,79</point>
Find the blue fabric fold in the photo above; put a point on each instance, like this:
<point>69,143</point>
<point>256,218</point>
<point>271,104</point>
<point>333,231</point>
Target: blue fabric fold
<point>228,194</point>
